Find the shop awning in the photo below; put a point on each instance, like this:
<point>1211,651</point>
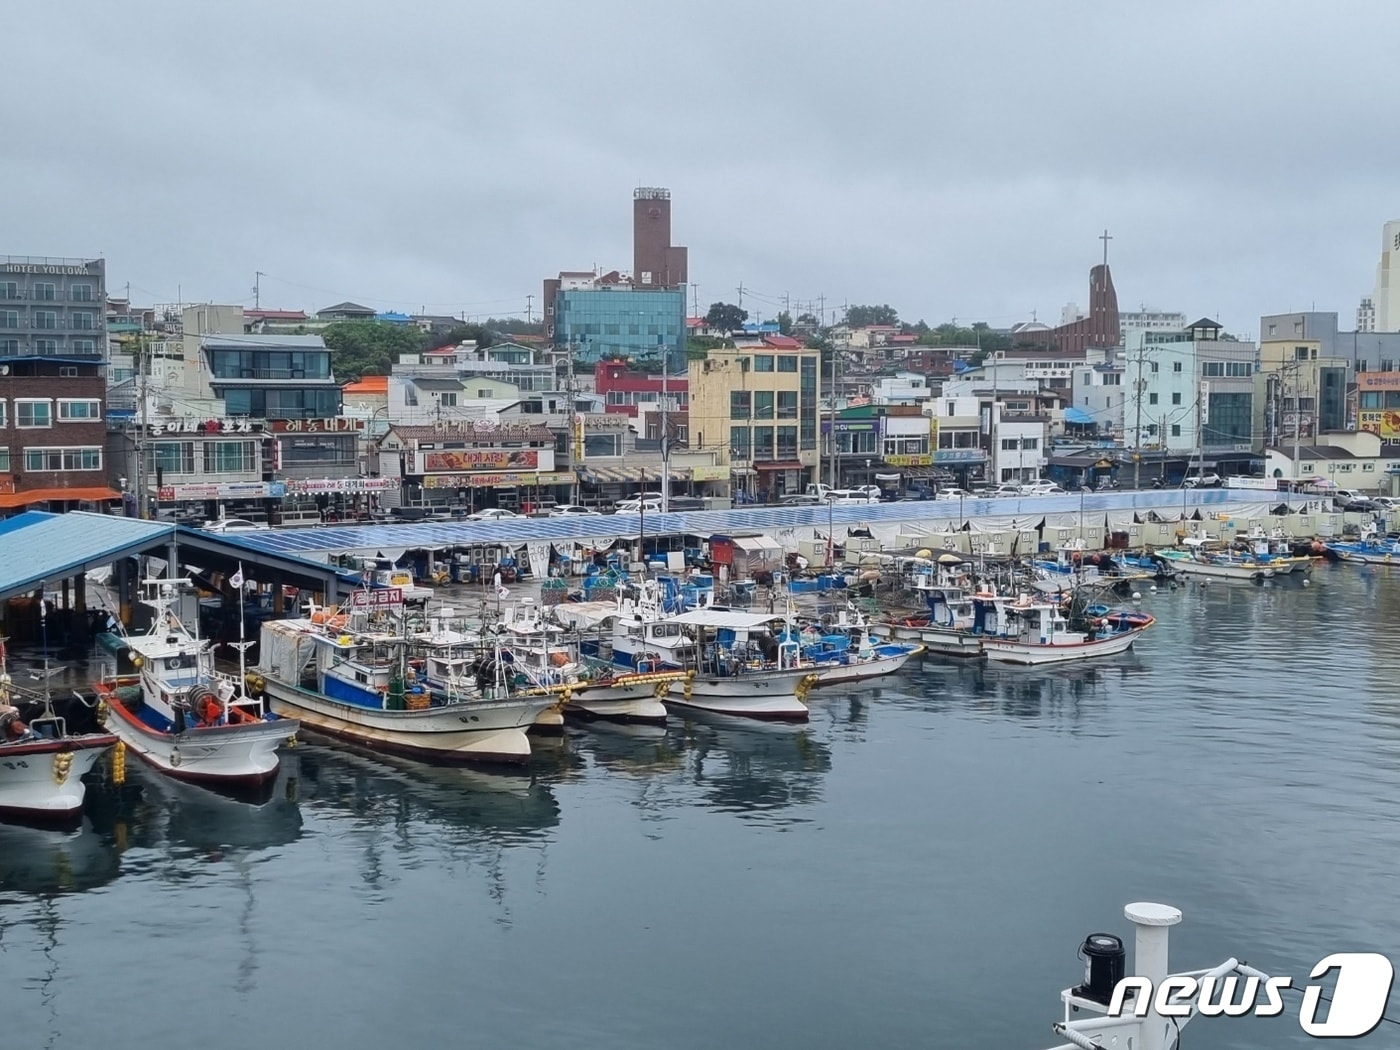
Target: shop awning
<point>780,464</point>
<point>627,475</point>
<point>25,499</point>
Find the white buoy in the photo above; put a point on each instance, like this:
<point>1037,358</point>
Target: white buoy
<point>1307,583</point>
<point>1137,596</point>
<point>1152,587</point>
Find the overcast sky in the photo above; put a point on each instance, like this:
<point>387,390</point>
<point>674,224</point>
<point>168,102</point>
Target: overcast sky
<point>951,159</point>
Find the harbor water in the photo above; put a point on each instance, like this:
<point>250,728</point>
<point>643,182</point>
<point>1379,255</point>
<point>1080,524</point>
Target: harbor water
<point>916,867</point>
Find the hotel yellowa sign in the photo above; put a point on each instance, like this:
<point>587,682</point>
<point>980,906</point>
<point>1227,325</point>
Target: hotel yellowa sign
<point>922,459</point>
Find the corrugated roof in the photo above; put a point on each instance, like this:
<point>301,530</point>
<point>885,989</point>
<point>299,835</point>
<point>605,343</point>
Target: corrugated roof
<point>264,342</point>
<point>368,385</point>
<point>40,546</point>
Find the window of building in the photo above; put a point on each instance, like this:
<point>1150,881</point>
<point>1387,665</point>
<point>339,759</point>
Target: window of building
<point>83,346</point>
<point>176,457</point>
<point>602,445</point>
<point>9,290</point>
<point>46,346</point>
<point>9,346</point>
<point>9,318</point>
<point>1152,430</point>
<point>762,442</point>
<point>1113,379</point>
<point>71,371</point>
<point>45,291</point>
<point>809,373</point>
<point>4,421</point>
<point>4,460</point>
<point>448,399</point>
<point>1176,366</point>
<point>80,292</point>
<point>1152,399</point>
<point>763,404</point>
<point>763,363</point>
<point>1176,430</point>
<point>1300,353</point>
<point>230,457</point>
<point>739,404</point>
<point>787,404</point>
<point>45,319</point>
<point>33,413</point>
<point>1176,397</point>
<point>1239,368</point>
<point>787,442</point>
<point>787,364</point>
<point>83,320</point>
<point>809,434</point>
<point>1154,366</point>
<point>1030,444</point>
<point>1231,419</point>
<point>61,459</point>
<point>75,411</point>
<point>739,442</point>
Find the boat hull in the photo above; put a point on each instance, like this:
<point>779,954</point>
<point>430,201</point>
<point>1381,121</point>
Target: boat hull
<point>636,703</point>
<point>860,671</point>
<point>491,731</point>
<point>1010,651</point>
<point>769,695</point>
<point>944,641</point>
<point>43,780</point>
<point>235,754</point>
<point>1213,570</point>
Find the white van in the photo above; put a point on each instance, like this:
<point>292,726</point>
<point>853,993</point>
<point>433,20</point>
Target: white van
<point>846,497</point>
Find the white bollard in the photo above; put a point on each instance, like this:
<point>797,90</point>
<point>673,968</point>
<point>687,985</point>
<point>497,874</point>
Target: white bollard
<point>1150,959</point>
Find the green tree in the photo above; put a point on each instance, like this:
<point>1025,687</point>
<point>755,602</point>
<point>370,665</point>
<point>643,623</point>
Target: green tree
<point>785,323</point>
<point>698,347</point>
<point>808,321</point>
<point>726,317</point>
<point>375,346</point>
<point>482,334</point>
<point>860,316</point>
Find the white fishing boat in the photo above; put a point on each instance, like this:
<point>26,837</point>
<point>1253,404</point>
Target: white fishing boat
<point>1030,630</point>
<point>634,631</point>
<point>180,715</point>
<point>1371,548</point>
<point>742,668</point>
<point>42,764</point>
<point>350,674</point>
<point>589,687</point>
<point>843,649</point>
<point>1086,1024</point>
<point>1196,557</point>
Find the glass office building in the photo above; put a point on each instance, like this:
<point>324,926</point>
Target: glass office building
<point>643,324</point>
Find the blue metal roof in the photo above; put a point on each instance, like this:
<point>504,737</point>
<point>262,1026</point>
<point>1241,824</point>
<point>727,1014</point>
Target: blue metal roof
<point>590,528</point>
<point>40,546</point>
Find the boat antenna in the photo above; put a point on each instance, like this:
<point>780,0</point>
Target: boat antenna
<point>44,631</point>
<point>242,645</point>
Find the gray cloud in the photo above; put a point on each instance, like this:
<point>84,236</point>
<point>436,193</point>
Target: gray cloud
<point>951,159</point>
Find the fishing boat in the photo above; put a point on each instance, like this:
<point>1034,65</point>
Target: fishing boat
<point>1029,630</point>
<point>182,716</point>
<point>1370,549</point>
<point>352,673</point>
<point>1275,550</point>
<point>1087,1024</point>
<point>634,631</point>
<point>946,627</point>
<point>1196,557</point>
<point>742,667</point>
<point>42,764</point>
<point>590,687</point>
<point>843,649</point>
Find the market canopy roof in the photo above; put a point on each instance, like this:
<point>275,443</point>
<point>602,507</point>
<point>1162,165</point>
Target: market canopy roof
<point>41,547</point>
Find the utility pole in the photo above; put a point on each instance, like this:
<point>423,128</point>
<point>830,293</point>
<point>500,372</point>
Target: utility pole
<point>1138,384</point>
<point>1297,415</point>
<point>529,309</point>
<point>141,426</point>
<point>257,289</point>
<point>741,295</point>
<point>695,300</point>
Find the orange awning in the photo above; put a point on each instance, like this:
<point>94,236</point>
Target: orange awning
<point>24,499</point>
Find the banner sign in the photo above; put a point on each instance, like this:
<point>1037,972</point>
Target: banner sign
<point>481,459</point>
<point>308,487</point>
<point>223,490</point>
<point>336,425</point>
<point>486,481</point>
<point>383,598</point>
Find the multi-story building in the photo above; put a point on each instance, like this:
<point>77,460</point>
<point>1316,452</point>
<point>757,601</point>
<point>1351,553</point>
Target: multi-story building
<point>1098,394</point>
<point>452,461</point>
<point>1191,394</point>
<point>758,409</point>
<point>53,350</point>
<point>1378,400</point>
<point>53,307</point>
<point>643,315</point>
<point>1301,384</point>
<point>960,448</point>
<point>1366,315</point>
<point>1386,297</point>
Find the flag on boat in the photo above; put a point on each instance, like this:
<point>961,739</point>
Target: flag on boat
<point>236,580</point>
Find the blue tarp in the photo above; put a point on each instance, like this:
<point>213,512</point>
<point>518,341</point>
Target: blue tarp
<point>1077,415</point>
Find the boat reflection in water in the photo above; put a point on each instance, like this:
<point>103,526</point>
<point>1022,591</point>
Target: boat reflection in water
<point>1064,693</point>
<point>208,821</point>
<point>757,769</point>
<point>503,807</point>
<point>37,860</point>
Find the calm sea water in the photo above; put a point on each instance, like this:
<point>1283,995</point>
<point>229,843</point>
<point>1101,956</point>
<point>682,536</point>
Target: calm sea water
<point>915,868</point>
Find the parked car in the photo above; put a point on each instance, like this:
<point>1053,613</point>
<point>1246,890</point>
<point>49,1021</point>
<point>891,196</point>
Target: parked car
<point>1365,506</point>
<point>1042,488</point>
<point>1389,503</point>
<point>954,494</point>
<point>799,500</point>
<point>844,497</point>
<point>1344,498</point>
<point>1009,488</point>
<point>567,510</point>
<point>492,514</point>
<point>235,525</point>
<point>1208,480</point>
<point>639,506</point>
